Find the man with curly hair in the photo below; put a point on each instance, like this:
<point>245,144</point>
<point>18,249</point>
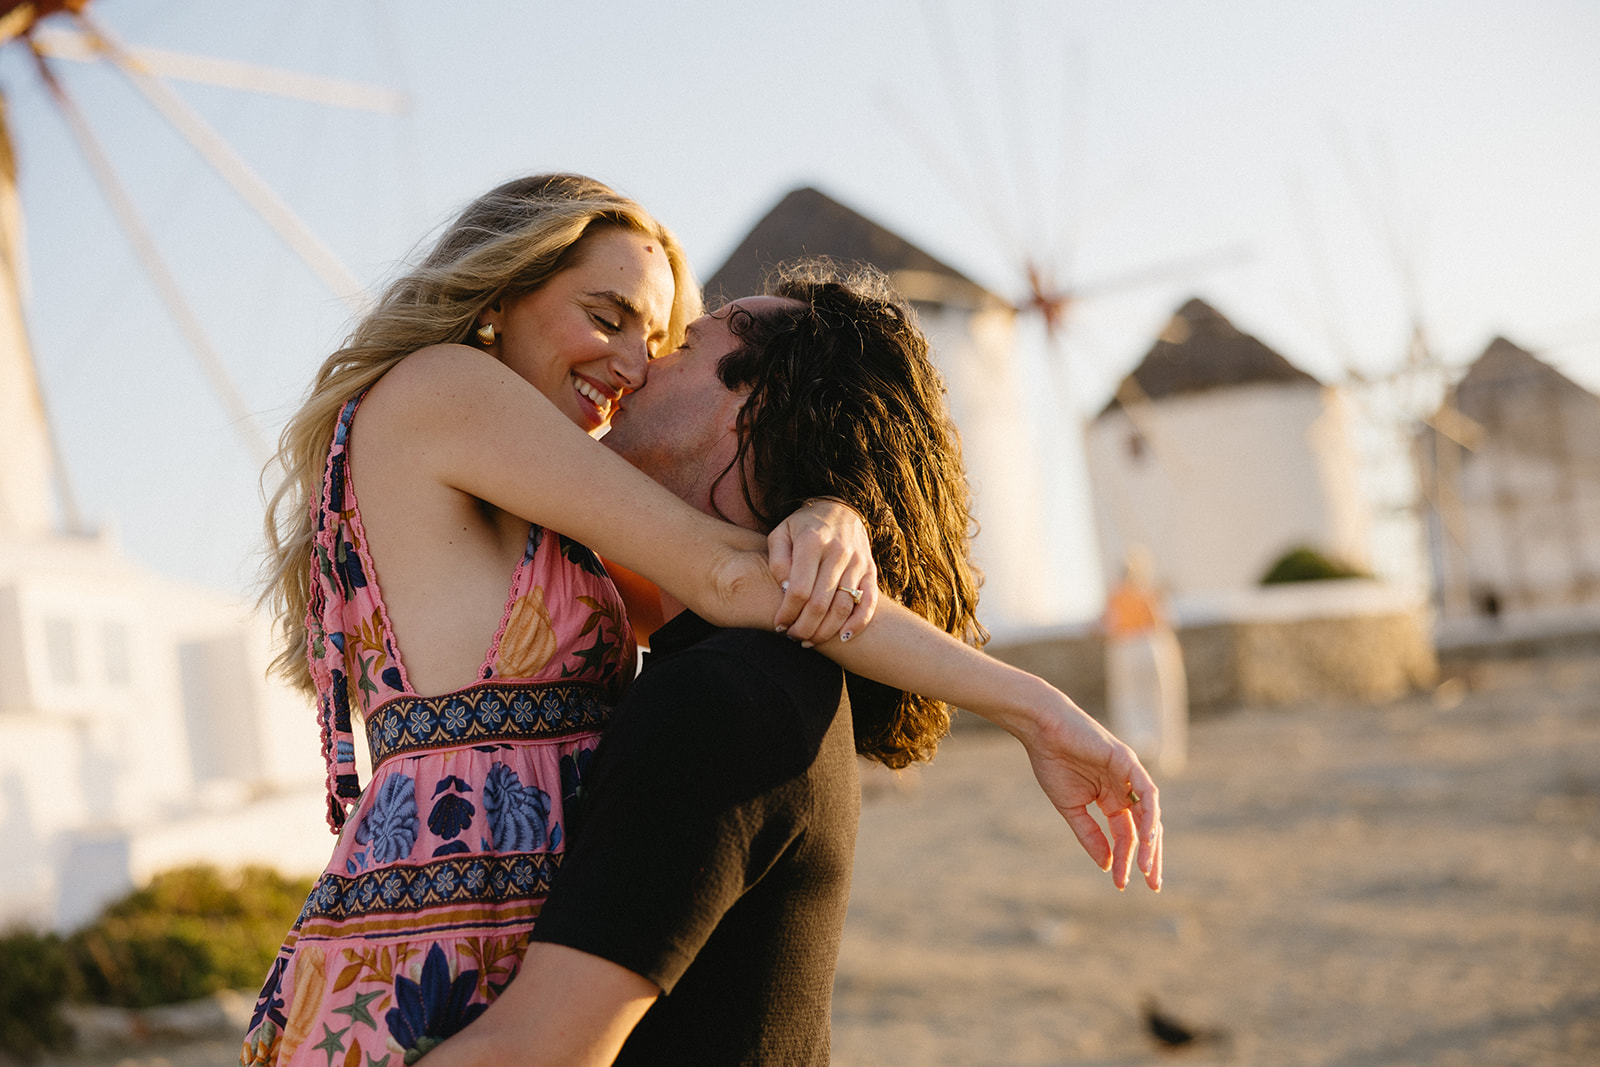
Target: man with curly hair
<point>698,911</point>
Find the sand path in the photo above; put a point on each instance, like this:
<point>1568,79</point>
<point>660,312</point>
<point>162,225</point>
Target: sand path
<point>1345,885</point>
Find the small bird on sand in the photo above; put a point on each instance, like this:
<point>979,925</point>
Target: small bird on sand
<point>1173,1035</point>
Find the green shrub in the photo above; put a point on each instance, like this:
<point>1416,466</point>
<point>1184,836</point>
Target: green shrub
<point>1309,565</point>
<point>36,975</point>
<point>189,933</point>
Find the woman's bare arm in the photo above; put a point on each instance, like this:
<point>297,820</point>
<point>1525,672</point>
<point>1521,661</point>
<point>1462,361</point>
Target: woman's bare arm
<point>1076,761</point>
<point>469,426</point>
<point>477,427</point>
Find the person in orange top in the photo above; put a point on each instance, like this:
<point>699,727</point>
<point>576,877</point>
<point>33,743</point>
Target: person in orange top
<point>1146,689</point>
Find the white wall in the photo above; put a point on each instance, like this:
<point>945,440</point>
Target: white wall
<point>974,351</point>
<point>138,731</point>
<point>1218,485</point>
<point>1522,525</point>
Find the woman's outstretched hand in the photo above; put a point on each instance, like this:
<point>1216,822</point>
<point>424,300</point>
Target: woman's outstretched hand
<point>1078,763</point>
<point>822,558</point>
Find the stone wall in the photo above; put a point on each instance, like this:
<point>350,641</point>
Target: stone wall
<point>1366,659</point>
<point>1272,659</point>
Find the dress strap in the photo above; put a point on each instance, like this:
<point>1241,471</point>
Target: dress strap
<point>331,582</point>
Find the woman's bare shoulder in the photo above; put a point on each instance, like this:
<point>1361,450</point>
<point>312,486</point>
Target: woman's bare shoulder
<point>436,383</point>
<point>434,365</point>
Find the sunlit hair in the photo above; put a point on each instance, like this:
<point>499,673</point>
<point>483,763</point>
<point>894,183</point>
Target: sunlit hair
<point>505,244</point>
<point>844,401</point>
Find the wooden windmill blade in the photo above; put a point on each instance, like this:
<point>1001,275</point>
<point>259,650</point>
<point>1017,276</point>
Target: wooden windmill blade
<point>999,166</point>
<point>231,167</point>
<point>1017,199</point>
<point>160,275</point>
<point>90,47</point>
<point>31,474</point>
<point>1422,405</point>
<point>37,24</point>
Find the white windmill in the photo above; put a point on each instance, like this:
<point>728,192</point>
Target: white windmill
<point>1016,169</point>
<point>137,729</point>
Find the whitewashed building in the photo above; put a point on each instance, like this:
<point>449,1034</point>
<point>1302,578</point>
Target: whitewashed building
<point>1510,467</point>
<point>138,730</point>
<point>1218,456</point>
<point>971,333</point>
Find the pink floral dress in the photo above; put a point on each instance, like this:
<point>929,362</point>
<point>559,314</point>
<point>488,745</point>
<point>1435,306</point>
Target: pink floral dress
<point>444,860</point>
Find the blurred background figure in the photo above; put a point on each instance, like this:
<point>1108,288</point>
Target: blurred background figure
<point>1147,695</point>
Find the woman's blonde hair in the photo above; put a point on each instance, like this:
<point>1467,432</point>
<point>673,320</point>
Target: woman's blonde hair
<point>505,244</point>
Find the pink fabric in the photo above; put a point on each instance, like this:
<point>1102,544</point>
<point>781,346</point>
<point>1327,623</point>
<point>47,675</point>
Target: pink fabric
<point>445,858</point>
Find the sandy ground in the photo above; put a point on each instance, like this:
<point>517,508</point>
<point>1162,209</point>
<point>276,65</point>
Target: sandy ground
<point>1413,884</point>
<point>1400,885</point>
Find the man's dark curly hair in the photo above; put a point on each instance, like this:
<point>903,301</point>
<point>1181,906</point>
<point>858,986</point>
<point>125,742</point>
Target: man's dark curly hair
<point>844,401</point>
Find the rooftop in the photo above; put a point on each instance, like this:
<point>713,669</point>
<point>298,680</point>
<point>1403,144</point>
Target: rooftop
<point>808,222</point>
<point>1200,350</point>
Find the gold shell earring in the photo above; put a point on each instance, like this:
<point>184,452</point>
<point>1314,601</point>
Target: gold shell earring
<point>485,334</point>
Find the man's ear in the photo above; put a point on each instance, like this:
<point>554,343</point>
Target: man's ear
<point>735,409</point>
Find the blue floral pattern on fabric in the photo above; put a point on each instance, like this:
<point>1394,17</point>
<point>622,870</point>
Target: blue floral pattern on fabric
<point>451,814</point>
<point>391,825</point>
<point>434,1008</point>
<point>519,815</point>
<point>270,1004</point>
<point>574,766</point>
<point>580,556</point>
<point>451,781</point>
<point>407,725</point>
<point>347,563</point>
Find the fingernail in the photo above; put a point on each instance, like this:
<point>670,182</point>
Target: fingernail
<point>807,644</point>
<point>784,586</point>
<point>847,635</point>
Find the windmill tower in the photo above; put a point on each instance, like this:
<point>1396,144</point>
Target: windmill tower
<point>1218,456</point>
<point>969,330</point>
<point>1014,166</point>
<point>137,727</point>
<point>26,463</point>
<point>1513,521</point>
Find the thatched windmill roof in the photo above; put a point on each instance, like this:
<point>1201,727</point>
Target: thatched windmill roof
<point>1200,350</point>
<point>1512,395</point>
<point>808,222</point>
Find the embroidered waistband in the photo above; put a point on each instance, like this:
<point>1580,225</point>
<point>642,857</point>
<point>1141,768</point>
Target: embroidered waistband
<point>483,714</point>
<point>457,880</point>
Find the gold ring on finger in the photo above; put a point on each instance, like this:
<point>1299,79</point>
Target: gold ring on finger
<point>853,594</point>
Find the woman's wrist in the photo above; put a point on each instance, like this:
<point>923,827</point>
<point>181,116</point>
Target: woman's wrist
<point>1030,708</point>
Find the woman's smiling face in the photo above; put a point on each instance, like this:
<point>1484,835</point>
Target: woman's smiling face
<point>584,338</point>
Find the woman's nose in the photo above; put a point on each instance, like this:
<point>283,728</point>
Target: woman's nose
<point>631,368</point>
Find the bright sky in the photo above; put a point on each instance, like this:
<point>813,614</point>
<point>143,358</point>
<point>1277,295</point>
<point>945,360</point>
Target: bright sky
<point>1328,172</point>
